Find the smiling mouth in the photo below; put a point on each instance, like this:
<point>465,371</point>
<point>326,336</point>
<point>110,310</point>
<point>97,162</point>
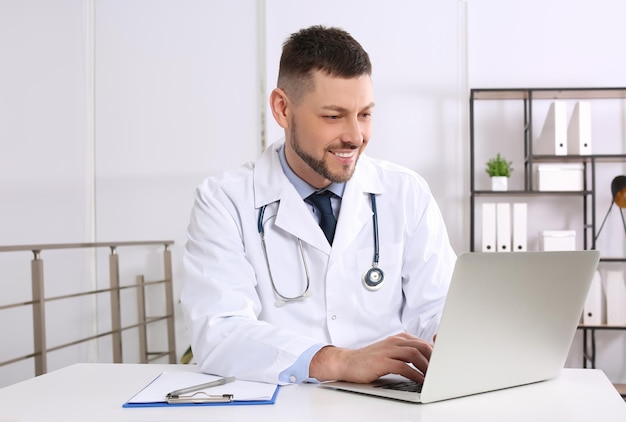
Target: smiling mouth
<point>344,154</point>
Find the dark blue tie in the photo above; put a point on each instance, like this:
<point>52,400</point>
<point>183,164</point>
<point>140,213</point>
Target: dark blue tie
<point>327,218</point>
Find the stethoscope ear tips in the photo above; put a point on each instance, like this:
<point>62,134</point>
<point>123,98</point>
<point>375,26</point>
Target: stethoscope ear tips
<point>373,278</point>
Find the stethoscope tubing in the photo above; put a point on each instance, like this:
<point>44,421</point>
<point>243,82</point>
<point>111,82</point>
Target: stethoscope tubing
<point>372,279</point>
<point>375,219</point>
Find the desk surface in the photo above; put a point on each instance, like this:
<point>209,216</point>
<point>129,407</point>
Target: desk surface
<point>96,392</point>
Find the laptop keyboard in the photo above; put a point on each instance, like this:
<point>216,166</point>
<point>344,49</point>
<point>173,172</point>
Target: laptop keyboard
<point>410,386</point>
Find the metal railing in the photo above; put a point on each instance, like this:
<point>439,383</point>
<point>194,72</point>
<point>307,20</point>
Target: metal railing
<point>39,301</point>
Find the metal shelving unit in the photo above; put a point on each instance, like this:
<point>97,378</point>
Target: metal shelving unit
<point>527,96</point>
<point>590,162</point>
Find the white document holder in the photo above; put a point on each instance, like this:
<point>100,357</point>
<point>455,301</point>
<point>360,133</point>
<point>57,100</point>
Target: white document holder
<point>503,226</point>
<point>489,227</point>
<point>520,227</point>
<point>553,137</point>
<point>592,312</point>
<point>579,130</point>
<point>615,298</point>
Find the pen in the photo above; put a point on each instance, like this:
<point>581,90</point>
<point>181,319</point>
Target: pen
<point>221,381</point>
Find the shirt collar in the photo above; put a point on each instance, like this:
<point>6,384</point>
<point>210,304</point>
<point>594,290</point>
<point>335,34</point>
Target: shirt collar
<point>302,187</point>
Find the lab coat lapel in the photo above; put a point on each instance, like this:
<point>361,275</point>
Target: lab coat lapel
<point>269,178</point>
<point>356,210</point>
<point>295,218</point>
<point>355,213</point>
<point>271,185</point>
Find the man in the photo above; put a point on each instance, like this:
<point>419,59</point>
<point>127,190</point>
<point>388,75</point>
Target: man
<point>269,294</point>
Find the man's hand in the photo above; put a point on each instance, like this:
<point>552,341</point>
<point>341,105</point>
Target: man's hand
<point>389,356</point>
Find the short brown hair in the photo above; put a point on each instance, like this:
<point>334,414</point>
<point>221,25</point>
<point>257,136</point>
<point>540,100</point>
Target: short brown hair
<point>331,50</point>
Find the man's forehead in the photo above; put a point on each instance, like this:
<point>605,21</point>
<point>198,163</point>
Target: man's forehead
<point>335,91</point>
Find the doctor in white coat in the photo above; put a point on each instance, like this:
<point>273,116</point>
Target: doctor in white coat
<point>266,295</point>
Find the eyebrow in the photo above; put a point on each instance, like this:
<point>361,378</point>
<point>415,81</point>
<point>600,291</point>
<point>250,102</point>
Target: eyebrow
<point>344,110</point>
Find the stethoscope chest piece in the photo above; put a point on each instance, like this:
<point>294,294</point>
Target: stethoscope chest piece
<point>373,278</point>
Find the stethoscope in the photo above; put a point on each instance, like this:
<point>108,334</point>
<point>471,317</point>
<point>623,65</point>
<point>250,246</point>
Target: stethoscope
<point>372,279</point>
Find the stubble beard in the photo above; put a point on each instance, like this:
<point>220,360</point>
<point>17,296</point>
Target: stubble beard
<point>319,165</point>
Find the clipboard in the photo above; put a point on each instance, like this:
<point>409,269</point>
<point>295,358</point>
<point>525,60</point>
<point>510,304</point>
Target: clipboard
<point>155,394</point>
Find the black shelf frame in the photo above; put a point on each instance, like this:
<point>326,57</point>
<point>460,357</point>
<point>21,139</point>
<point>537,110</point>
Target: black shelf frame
<point>527,95</point>
<point>589,341</point>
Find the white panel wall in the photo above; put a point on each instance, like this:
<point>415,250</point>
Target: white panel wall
<point>546,43</point>
<point>176,101</point>
<point>111,113</point>
<point>45,162</point>
<point>46,170</point>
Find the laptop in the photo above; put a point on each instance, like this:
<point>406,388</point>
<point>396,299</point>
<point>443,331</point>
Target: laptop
<point>509,320</point>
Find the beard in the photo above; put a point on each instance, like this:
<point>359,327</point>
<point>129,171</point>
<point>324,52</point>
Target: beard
<point>319,165</point>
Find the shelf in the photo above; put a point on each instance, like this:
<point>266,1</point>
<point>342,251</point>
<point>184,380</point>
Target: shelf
<point>602,327</point>
<point>530,193</point>
<point>579,158</point>
<point>612,259</point>
<point>592,165</point>
<point>527,189</point>
<point>547,93</point>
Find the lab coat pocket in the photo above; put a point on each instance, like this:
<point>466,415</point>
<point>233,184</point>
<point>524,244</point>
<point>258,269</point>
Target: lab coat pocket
<point>387,299</point>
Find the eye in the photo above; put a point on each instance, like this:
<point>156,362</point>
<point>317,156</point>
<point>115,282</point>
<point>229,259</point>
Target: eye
<point>333,117</point>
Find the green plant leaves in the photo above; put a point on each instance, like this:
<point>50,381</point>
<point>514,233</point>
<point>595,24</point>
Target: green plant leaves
<point>498,166</point>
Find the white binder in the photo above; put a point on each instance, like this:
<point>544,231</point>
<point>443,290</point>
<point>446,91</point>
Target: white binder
<point>592,312</point>
<point>579,130</point>
<point>553,137</point>
<point>615,298</point>
<point>489,227</point>
<point>503,227</point>
<point>520,231</point>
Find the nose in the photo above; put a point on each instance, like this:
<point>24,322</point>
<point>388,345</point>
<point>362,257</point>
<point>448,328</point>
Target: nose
<point>353,132</point>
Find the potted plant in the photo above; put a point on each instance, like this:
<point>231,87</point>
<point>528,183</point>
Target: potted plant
<point>499,170</point>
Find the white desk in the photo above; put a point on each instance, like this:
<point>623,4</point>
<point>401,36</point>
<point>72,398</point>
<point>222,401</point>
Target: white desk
<point>96,392</point>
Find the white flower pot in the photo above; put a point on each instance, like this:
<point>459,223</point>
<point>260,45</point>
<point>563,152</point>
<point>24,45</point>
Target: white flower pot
<point>499,183</point>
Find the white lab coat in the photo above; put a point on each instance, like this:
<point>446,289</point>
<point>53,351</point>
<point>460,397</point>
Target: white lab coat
<point>227,297</point>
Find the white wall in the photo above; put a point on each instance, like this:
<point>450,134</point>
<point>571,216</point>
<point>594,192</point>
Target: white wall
<point>46,170</point>
<point>111,112</point>
<point>176,100</point>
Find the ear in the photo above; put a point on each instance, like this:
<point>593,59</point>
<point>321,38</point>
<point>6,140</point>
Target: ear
<point>279,104</point>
